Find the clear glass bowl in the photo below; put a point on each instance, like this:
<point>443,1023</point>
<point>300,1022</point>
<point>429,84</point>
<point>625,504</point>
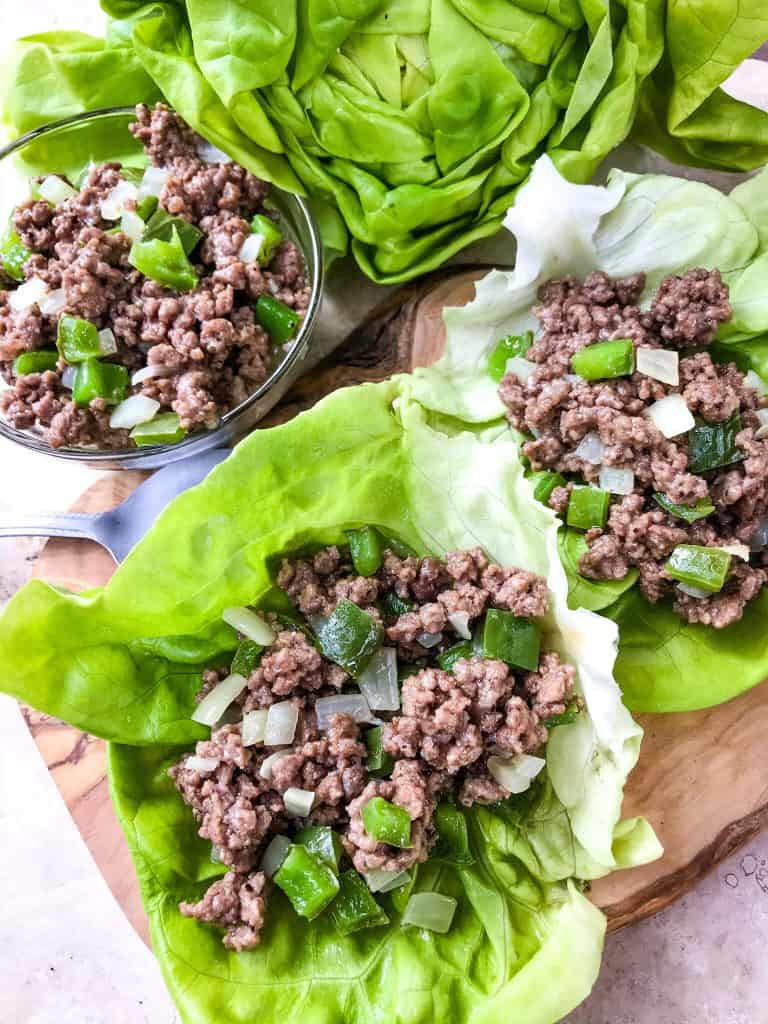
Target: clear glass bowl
<point>107,138</point>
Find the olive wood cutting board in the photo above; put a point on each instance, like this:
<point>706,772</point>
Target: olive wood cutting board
<point>701,779</point>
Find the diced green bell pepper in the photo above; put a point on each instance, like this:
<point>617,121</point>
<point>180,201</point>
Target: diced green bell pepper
<point>307,881</point>
<point>77,339</point>
<point>278,320</point>
<point>588,507</point>
<point>452,835</point>
<point>355,908</point>
<point>449,657</point>
<point>163,429</point>
<point>387,823</point>
<point>605,360</point>
<point>511,639</point>
<point>705,568</point>
<point>567,717</point>
<point>379,763</point>
<point>349,637</point>
<point>507,348</point>
<point>164,262</point>
<point>161,225</point>
<point>247,657</point>
<point>689,513</point>
<point>544,482</point>
<point>35,362</point>
<point>402,894</point>
<point>323,843</point>
<point>146,207</point>
<point>365,546</point>
<point>94,379</point>
<point>393,606</point>
<point>13,255</point>
<point>713,444</point>
<point>271,236</point>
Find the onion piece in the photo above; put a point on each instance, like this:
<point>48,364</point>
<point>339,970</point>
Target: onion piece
<point>515,774</point>
<point>274,855</point>
<point>429,640</point>
<point>737,550</point>
<point>460,623</point>
<point>55,190</point>
<point>378,682</point>
<point>27,294</point>
<point>697,592</point>
<point>590,449</point>
<point>572,378</point>
<point>265,771</point>
<point>132,225</point>
<point>107,342</point>
<point>150,372</point>
<point>214,704</point>
<point>755,382</point>
<point>762,430</point>
<point>249,624</point>
<point>282,719</point>
<point>153,182</point>
<point>216,855</point>
<point>353,704</point>
<point>671,415</point>
<point>250,250</point>
<point>298,802</point>
<point>759,538</point>
<point>201,764</point>
<point>52,302</point>
<point>211,154</point>
<point>386,881</point>
<point>658,363</point>
<point>112,206</point>
<point>430,910</point>
<point>617,481</point>
<point>132,411</point>
<point>254,727</point>
<point>68,378</point>
<point>521,367</point>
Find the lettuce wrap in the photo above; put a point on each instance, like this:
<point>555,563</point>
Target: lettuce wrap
<point>124,662</point>
<point>659,225</point>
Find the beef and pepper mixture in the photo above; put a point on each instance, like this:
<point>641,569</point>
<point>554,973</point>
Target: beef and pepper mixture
<point>403,690</point>
<point>143,305</point>
<point>643,441</point>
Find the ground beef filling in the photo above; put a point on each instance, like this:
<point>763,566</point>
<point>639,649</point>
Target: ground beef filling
<point>441,738</point>
<point>560,409</point>
<point>206,345</point>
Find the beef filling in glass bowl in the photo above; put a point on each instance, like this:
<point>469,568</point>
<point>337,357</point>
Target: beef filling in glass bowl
<point>154,294</point>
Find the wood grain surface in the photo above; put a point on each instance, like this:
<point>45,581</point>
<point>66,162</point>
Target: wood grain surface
<point>701,779</point>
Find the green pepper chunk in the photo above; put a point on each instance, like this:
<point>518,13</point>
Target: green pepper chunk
<point>35,362</point>
<point>507,348</point>
<point>164,262</point>
<point>13,255</point>
<point>77,339</point>
<point>387,823</point>
<point>689,513</point>
<point>452,835</point>
<point>604,360</point>
<point>94,379</point>
<point>355,908</point>
<point>349,637</point>
<point>271,237</point>
<point>147,207</point>
<point>394,606</point>
<point>402,894</point>
<point>588,507</point>
<point>162,429</point>
<point>365,546</point>
<point>277,319</point>
<point>544,482</point>
<point>323,843</point>
<point>509,638</point>
<point>567,717</point>
<point>449,657</point>
<point>247,657</point>
<point>406,671</point>
<point>161,225</point>
<point>308,883</point>
<point>713,444</point>
<point>379,763</point>
<point>705,568</point>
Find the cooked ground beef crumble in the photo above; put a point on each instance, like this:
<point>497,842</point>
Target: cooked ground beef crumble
<point>560,409</point>
<point>206,344</point>
<point>449,723</point>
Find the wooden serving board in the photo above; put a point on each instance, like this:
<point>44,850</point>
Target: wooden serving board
<point>700,781</point>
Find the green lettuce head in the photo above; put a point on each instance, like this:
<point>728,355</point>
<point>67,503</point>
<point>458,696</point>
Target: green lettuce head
<point>124,662</point>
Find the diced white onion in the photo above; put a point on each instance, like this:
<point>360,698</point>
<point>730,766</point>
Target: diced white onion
<point>274,855</point>
<point>107,342</point>
<point>153,182</point>
<point>429,640</point>
<point>378,682</point>
<point>265,771</point>
<point>211,154</point>
<point>521,367</point>
<point>755,381</point>
<point>460,622</point>
<point>573,378</point>
<point>298,802</point>
<point>737,550</point>
<point>149,372</point>
<point>68,378</point>
<point>590,448</point>
<point>617,481</point>
<point>693,591</point>
<point>55,190</point>
<point>249,624</point>
<point>216,855</point>
<point>659,363</point>
<point>386,881</point>
<point>762,430</point>
<point>250,250</point>
<point>201,764</point>
<point>515,774</point>
<point>52,302</point>
<point>132,411</point>
<point>353,704</point>
<point>759,538</point>
<point>671,415</point>
<point>430,910</point>
<point>27,294</point>
<point>282,719</point>
<point>112,206</point>
<point>132,225</point>
<point>214,704</point>
<point>254,727</point>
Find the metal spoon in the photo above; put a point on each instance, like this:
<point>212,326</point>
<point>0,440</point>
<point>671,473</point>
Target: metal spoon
<point>119,529</point>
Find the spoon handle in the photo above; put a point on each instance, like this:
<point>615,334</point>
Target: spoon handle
<point>54,524</point>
